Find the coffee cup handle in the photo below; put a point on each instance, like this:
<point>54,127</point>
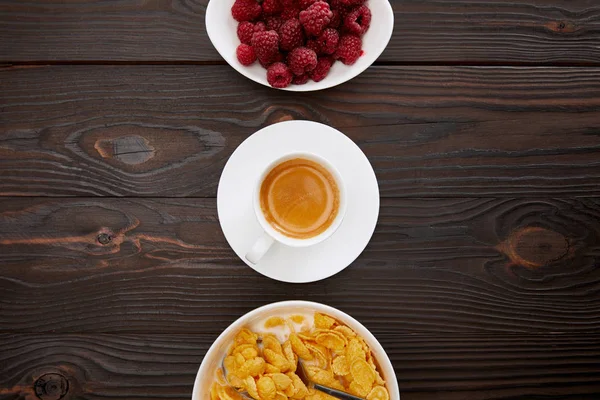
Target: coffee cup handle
<point>260,248</point>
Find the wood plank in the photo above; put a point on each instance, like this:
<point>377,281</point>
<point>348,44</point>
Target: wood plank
<point>450,367</point>
<point>428,131</point>
<point>436,265</point>
<point>454,31</point>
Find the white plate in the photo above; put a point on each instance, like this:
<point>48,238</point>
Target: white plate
<point>222,31</point>
<point>248,161</point>
<point>218,350</point>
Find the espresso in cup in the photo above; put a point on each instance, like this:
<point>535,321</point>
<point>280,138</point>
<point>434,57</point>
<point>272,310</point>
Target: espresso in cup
<point>299,198</point>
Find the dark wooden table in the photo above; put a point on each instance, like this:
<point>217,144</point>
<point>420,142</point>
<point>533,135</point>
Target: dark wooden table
<point>481,119</point>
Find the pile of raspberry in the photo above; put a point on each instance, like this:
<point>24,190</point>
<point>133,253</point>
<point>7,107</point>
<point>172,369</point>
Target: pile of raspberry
<point>299,40</point>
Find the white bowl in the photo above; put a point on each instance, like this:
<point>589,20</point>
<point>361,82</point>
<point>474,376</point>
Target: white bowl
<point>218,350</point>
<point>222,31</point>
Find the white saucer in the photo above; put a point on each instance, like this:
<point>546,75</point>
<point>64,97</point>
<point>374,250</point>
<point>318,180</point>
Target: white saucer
<point>248,161</point>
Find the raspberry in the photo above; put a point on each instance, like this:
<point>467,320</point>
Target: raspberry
<point>336,19</point>
<point>302,60</point>
<point>304,4</point>
<point>245,10</point>
<point>266,45</point>
<point>322,69</point>
<point>315,18</point>
<point>291,35</point>
<point>260,27</point>
<point>300,79</point>
<point>246,29</point>
<point>328,41</point>
<point>290,12</point>
<point>299,40</point>
<point>274,23</point>
<point>349,49</point>
<point>245,54</point>
<point>314,46</point>
<point>279,75</point>
<point>271,6</point>
<point>352,3</point>
<point>276,58</point>
<point>358,20</point>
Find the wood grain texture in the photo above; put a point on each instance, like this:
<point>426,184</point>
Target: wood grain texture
<point>442,265</point>
<point>481,280</point>
<point>450,31</point>
<point>428,366</point>
<point>168,131</point>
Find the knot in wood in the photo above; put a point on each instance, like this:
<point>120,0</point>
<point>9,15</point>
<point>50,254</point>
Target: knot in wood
<point>561,26</point>
<point>104,238</point>
<point>536,247</point>
<point>51,387</point>
<point>131,149</point>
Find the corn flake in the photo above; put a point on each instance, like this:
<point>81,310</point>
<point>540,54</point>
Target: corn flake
<point>250,353</point>
<point>214,394</point>
<point>298,319</point>
<point>340,366</point>
<point>277,360</point>
<point>266,388</point>
<point>344,330</point>
<point>318,375</point>
<point>299,347</point>
<point>365,346</point>
<point>245,336</point>
<point>332,341</point>
<point>253,367</point>
<point>280,396</point>
<point>241,348</point>
<point>371,361</point>
<point>230,364</point>
<point>250,385</point>
<point>290,326</point>
<point>289,392</point>
<point>274,322</point>
<point>300,389</point>
<point>288,351</point>
<point>323,321</point>
<point>306,336</point>
<point>282,381</point>
<point>289,354</point>
<point>271,369</point>
<point>354,351</point>
<point>378,393</point>
<point>239,360</point>
<point>320,353</point>
<point>271,342</point>
<point>363,374</point>
<point>358,390</point>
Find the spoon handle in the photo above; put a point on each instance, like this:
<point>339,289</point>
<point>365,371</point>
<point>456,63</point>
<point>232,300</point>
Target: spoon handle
<point>336,393</point>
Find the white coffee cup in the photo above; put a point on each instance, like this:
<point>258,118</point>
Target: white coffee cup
<point>270,234</point>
